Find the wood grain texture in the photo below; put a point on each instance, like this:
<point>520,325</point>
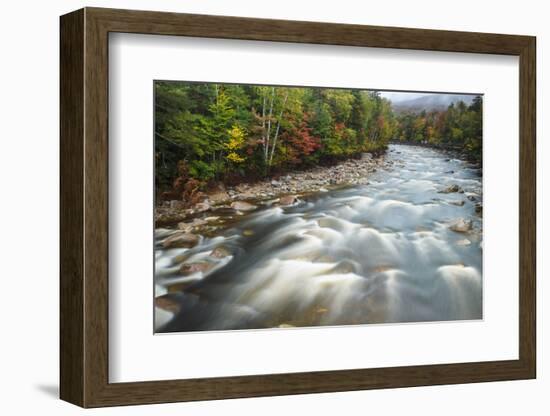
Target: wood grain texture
<point>84,207</point>
<point>527,207</point>
<point>71,100</point>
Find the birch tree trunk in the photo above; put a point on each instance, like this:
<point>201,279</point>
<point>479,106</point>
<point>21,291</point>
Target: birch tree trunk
<point>264,140</point>
<point>277,129</point>
<point>268,134</point>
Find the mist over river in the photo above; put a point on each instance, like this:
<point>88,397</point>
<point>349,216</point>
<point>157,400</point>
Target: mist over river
<point>404,247</point>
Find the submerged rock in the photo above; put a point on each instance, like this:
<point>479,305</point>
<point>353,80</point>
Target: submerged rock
<point>451,189</point>
<point>478,208</point>
<point>463,242</point>
<point>167,303</point>
<point>243,206</point>
<point>457,203</point>
<point>181,240</point>
<point>220,252</point>
<point>461,225</point>
<point>190,268</point>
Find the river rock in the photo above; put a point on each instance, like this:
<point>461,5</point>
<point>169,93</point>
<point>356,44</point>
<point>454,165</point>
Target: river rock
<point>202,206</point>
<point>189,268</point>
<point>471,198</point>
<point>219,197</point>
<point>169,218</point>
<point>175,204</point>
<point>463,242</point>
<point>323,190</point>
<point>167,303</point>
<point>461,225</point>
<point>288,200</point>
<point>451,189</point>
<point>185,226</point>
<point>457,203</point>
<point>275,183</point>
<point>220,252</point>
<point>243,206</point>
<point>181,240</point>
<point>188,226</point>
<point>478,208</point>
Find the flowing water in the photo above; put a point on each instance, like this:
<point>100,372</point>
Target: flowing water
<point>382,252</point>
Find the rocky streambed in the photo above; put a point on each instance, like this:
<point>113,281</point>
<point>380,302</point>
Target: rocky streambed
<point>376,240</point>
<point>284,190</point>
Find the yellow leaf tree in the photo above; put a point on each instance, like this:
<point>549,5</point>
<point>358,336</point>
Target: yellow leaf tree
<point>235,144</point>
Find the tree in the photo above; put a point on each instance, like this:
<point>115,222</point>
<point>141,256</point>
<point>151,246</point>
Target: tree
<point>299,143</point>
<point>235,144</point>
<point>221,132</point>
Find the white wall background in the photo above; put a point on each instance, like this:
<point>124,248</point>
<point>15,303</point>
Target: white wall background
<point>29,210</point>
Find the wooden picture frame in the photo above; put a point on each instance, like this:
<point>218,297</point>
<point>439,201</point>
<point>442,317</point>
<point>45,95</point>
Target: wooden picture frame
<point>84,207</point>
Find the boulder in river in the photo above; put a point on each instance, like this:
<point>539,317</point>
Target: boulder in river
<point>190,268</point>
<point>243,206</point>
<point>457,203</point>
<point>167,303</point>
<point>288,200</point>
<point>181,240</point>
<point>461,225</point>
<point>463,242</point>
<point>202,206</point>
<point>220,252</point>
<point>478,208</point>
<point>451,189</point>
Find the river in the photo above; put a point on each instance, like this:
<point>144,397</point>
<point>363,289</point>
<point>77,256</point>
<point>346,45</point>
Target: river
<point>383,252</point>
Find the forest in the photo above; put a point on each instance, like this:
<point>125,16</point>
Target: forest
<point>209,133</point>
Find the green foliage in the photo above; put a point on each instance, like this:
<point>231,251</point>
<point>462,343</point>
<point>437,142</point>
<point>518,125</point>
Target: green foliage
<point>203,171</point>
<point>227,131</point>
<point>459,127</point>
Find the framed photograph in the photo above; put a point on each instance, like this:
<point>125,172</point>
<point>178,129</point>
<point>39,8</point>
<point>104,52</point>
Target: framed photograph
<point>255,207</point>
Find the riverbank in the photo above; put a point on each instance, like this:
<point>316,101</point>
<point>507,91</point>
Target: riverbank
<point>405,248</point>
<point>284,190</point>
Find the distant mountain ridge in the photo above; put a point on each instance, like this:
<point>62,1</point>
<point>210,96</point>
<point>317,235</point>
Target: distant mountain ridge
<point>433,102</point>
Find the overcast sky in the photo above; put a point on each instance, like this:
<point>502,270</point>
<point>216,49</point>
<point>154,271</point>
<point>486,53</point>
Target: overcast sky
<point>397,97</point>
<point>402,96</point>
